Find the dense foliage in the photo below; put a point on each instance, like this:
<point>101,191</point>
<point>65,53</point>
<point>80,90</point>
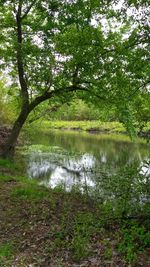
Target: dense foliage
<point>97,50</point>
<point>9,105</point>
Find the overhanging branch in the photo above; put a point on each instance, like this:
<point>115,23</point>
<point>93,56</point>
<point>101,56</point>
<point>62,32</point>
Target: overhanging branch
<point>137,89</point>
<point>73,88</point>
<point>45,112</point>
<point>28,9</point>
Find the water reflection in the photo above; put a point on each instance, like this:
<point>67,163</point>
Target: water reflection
<point>67,171</point>
<point>113,170</point>
<point>145,168</point>
<point>91,163</point>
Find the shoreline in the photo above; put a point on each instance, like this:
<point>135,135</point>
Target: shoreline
<point>92,127</point>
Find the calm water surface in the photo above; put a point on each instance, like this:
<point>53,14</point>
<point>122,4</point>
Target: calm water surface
<point>86,162</point>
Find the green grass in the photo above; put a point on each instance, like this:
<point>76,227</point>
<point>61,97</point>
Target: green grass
<point>6,250</point>
<point>29,192</point>
<point>26,188</point>
<point>85,125</point>
<point>95,125</point>
<point>6,163</point>
<point>6,253</point>
<point>12,166</point>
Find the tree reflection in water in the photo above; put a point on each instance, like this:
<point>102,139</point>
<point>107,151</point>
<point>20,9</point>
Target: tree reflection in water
<point>116,173</point>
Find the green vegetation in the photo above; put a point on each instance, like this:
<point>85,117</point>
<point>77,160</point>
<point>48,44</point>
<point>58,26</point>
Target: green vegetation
<point>85,125</point>
<point>77,65</point>
<point>29,192</point>
<point>82,229</point>
<point>8,104</point>
<point>93,126</point>
<point>6,253</point>
<point>134,239</point>
<point>79,110</point>
<point>89,67</point>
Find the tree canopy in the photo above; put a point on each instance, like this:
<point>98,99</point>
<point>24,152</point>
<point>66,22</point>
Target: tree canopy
<point>98,50</point>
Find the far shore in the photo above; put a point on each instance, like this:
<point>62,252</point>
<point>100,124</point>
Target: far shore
<point>94,126</point>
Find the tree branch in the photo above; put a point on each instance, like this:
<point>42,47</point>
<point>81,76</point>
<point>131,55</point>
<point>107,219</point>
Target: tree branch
<point>134,92</point>
<point>45,112</point>
<point>73,88</point>
<point>39,99</point>
<point>28,9</point>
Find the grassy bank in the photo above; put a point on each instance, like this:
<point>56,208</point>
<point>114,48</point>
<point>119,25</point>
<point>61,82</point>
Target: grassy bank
<point>96,126</point>
<point>90,126</point>
<point>45,227</point>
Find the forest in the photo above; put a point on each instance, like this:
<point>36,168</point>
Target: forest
<point>74,133</point>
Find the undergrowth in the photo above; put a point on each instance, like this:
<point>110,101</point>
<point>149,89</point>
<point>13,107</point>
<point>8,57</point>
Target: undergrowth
<point>75,224</point>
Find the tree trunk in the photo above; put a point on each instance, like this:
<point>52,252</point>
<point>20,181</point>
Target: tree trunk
<point>9,147</point>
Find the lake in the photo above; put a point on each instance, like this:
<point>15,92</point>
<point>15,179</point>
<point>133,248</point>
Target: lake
<point>99,165</point>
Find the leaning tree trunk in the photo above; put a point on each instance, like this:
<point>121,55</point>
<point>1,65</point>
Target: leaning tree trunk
<point>8,148</point>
